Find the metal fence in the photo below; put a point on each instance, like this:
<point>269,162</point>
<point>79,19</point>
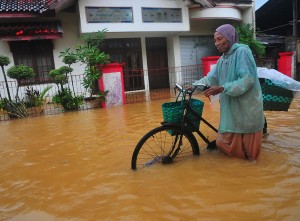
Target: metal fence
<point>185,74</point>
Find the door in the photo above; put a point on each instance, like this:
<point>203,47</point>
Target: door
<point>157,59</point>
<point>129,52</point>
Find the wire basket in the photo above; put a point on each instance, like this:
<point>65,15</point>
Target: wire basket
<point>173,112</point>
<point>275,98</point>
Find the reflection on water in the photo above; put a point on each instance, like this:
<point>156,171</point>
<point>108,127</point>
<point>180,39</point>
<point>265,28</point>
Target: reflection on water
<point>76,166</point>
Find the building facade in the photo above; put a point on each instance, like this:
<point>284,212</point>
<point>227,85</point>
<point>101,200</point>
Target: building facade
<point>143,35</point>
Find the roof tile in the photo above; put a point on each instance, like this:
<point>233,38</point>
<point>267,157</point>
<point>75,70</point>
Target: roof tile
<point>37,6</point>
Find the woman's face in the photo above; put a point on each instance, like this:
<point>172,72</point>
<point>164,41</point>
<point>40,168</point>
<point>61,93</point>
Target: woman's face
<point>221,42</point>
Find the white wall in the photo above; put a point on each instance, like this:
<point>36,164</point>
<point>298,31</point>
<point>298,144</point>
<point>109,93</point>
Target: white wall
<point>70,40</point>
<point>5,51</point>
<point>137,25</point>
<point>70,25</point>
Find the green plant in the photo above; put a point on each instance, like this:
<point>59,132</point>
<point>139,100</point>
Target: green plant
<point>4,61</point>
<point>59,76</point>
<point>69,58</point>
<point>14,109</point>
<point>1,104</point>
<point>20,72</point>
<point>246,36</point>
<point>90,54</point>
<point>34,98</point>
<point>67,100</point>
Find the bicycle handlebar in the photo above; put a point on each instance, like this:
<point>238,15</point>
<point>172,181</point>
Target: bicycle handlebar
<point>191,90</point>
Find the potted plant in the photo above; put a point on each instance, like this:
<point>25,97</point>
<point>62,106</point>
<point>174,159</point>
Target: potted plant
<point>69,58</point>
<point>14,109</point>
<point>17,108</point>
<point>34,100</point>
<point>20,72</point>
<point>64,96</point>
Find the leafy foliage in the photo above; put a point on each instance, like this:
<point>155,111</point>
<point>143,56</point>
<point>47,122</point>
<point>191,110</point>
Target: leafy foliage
<point>59,75</point>
<point>94,38</point>
<point>34,98</point>
<point>68,57</point>
<point>4,60</point>
<point>246,36</point>
<point>88,53</point>
<point>20,72</point>
<point>67,100</point>
<point>14,109</point>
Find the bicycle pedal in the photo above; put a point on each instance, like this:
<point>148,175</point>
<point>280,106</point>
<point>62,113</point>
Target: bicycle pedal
<point>167,160</point>
<point>212,146</point>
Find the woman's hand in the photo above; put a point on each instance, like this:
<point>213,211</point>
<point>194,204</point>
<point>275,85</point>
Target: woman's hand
<point>213,90</point>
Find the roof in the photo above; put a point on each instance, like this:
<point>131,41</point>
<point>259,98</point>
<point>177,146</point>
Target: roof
<point>275,17</point>
<point>33,6</point>
<point>30,31</point>
<point>38,6</point>
<point>271,39</point>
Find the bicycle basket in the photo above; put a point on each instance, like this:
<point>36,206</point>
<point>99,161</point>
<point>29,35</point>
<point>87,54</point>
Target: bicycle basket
<point>173,112</point>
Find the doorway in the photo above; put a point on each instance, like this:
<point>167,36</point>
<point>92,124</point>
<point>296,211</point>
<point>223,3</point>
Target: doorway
<point>129,52</point>
<point>157,59</point>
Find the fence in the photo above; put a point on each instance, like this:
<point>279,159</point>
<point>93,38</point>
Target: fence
<point>185,74</point>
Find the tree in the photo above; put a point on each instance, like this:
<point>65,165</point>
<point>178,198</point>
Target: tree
<point>89,53</point>
<point>246,36</point>
<point>20,72</point>
<point>4,61</point>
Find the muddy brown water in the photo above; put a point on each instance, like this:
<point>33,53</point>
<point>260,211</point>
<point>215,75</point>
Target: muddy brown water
<point>76,167</point>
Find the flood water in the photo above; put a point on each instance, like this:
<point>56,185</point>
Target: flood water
<point>76,167</point>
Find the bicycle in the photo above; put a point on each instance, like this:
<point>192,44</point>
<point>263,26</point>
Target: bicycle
<point>174,139</point>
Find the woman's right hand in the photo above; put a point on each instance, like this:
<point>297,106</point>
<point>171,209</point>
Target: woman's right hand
<point>213,90</point>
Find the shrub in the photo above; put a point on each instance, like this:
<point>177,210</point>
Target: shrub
<point>246,36</point>
<point>67,100</point>
<point>20,72</point>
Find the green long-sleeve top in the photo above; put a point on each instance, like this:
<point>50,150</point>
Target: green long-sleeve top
<point>241,103</point>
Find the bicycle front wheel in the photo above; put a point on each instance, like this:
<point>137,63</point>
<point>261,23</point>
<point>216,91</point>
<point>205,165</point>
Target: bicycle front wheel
<point>165,145</point>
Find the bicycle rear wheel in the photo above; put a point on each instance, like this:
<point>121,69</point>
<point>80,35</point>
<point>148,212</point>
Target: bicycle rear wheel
<point>164,145</point>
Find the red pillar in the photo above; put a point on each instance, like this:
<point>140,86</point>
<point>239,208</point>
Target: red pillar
<point>285,63</point>
<point>208,63</point>
<point>112,81</point>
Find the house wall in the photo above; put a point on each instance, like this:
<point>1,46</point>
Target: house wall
<point>196,21</point>
<point>137,25</point>
<point>70,26</point>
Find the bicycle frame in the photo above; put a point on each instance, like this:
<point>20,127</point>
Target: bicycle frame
<point>171,141</point>
<point>186,121</point>
<point>188,109</point>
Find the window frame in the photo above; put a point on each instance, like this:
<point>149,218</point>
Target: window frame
<point>29,53</point>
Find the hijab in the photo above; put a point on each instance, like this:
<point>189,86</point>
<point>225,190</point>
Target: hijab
<point>229,32</point>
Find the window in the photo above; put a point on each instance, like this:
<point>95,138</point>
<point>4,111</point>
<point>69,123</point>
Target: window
<point>36,54</point>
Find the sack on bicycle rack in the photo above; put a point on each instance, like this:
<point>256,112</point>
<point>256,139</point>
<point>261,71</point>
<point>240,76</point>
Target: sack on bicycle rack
<point>173,112</point>
<point>275,98</point>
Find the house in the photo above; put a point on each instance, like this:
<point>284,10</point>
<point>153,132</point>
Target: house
<point>144,35</point>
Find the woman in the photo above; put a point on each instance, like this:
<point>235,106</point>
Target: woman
<point>241,104</point>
